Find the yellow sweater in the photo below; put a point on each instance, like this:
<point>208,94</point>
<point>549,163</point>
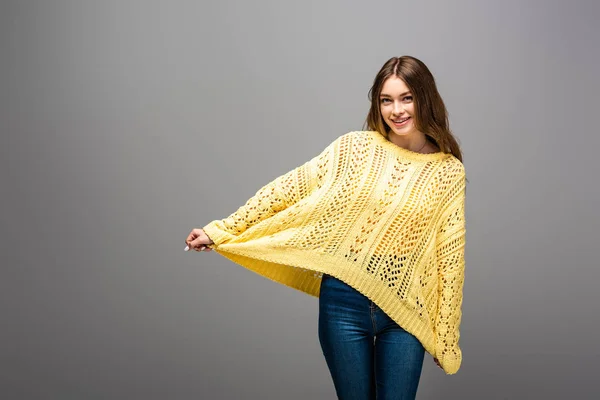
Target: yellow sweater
<point>387,221</point>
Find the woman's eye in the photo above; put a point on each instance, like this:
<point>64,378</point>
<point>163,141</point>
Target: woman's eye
<point>384,100</point>
<point>408,98</point>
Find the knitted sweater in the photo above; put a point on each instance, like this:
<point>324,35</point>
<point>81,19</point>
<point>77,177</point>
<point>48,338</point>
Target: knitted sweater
<point>385,220</point>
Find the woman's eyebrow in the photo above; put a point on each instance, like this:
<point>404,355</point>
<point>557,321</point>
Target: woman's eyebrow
<point>387,95</point>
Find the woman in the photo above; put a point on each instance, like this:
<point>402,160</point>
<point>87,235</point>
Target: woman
<point>374,226</point>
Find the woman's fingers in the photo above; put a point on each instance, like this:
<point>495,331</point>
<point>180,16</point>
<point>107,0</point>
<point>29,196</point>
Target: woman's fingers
<point>199,244</point>
<point>197,241</point>
<point>190,237</point>
<point>194,234</point>
<point>204,248</point>
<point>195,244</point>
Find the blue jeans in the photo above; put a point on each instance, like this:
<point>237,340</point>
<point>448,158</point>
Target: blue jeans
<point>368,354</point>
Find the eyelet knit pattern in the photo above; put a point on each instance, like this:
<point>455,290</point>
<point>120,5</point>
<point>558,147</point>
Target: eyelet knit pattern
<point>388,221</point>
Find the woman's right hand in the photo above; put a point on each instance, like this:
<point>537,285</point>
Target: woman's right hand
<point>198,240</point>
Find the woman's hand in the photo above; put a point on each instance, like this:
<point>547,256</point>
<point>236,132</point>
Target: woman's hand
<point>198,240</point>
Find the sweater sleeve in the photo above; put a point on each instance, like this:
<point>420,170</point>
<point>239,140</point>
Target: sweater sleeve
<point>450,245</point>
<point>277,195</point>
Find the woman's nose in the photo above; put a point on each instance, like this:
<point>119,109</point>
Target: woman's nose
<point>398,108</point>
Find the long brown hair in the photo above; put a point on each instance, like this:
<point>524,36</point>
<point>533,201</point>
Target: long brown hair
<point>431,116</point>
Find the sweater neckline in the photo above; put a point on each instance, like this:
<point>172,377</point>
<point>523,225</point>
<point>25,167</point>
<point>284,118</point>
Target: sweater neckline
<point>381,140</point>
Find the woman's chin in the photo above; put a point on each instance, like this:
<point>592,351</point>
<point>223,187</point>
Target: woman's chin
<point>400,132</point>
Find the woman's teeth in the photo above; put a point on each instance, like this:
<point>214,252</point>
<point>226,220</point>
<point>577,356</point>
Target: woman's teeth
<point>400,121</point>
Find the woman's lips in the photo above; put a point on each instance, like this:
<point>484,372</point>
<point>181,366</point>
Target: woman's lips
<point>400,124</point>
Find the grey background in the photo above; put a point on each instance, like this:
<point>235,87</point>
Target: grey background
<point>125,124</point>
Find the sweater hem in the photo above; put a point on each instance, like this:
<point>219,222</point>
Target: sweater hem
<point>303,271</point>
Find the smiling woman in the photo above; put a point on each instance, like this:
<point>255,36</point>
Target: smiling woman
<point>373,226</point>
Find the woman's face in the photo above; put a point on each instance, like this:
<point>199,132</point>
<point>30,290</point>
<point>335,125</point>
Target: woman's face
<point>397,107</point>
